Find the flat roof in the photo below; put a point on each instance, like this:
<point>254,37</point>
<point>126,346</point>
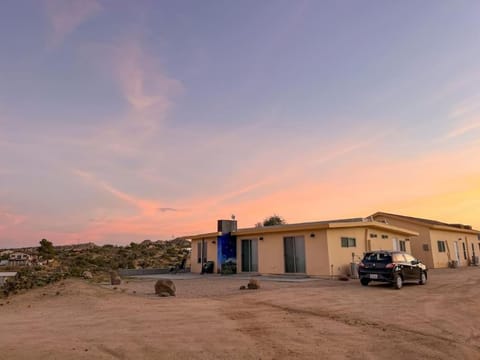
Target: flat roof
<point>7,274</point>
<point>319,225</point>
<point>432,224</point>
<point>203,236</point>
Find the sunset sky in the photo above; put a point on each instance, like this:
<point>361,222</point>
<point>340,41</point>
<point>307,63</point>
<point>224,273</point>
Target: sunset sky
<point>129,120</point>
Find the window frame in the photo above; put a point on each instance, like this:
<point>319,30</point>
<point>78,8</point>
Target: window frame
<point>348,242</point>
<point>441,246</point>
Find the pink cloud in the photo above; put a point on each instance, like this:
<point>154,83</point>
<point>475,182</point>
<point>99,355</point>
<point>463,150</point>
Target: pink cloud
<point>147,208</point>
<point>66,15</point>
<point>10,219</point>
<point>463,129</point>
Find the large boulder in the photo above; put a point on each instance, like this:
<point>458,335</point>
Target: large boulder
<point>165,287</point>
<point>115,278</point>
<point>87,275</point>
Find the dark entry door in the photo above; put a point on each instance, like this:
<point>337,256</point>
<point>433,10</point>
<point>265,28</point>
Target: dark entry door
<point>249,255</point>
<point>294,252</point>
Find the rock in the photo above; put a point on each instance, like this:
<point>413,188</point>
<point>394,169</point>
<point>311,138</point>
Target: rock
<point>87,275</point>
<point>343,278</point>
<point>243,287</point>
<point>253,284</point>
<point>164,294</point>
<point>165,286</point>
<point>115,278</point>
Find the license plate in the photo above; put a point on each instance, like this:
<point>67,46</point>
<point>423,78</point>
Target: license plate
<point>373,276</point>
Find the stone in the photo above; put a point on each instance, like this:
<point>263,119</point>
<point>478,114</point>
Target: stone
<point>243,287</point>
<point>253,284</point>
<point>115,278</point>
<point>343,278</point>
<point>87,275</point>
<point>165,286</point>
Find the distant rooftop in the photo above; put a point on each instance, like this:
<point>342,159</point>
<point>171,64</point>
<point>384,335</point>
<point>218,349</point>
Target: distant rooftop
<point>425,221</point>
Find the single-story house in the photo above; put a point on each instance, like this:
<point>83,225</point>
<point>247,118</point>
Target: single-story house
<point>438,244</point>
<point>323,248</point>
<point>19,259</point>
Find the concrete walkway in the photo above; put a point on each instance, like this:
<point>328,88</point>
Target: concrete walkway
<point>192,276</point>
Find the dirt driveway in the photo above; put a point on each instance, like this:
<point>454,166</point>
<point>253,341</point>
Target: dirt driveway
<point>212,319</point>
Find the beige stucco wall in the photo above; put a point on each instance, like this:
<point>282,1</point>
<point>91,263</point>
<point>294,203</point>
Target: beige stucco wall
<point>316,253</point>
<point>416,242</point>
<point>440,259</point>
<point>271,253</point>
<point>380,243</point>
<point>324,255</point>
<point>475,241</point>
<point>211,254</point>
<point>340,257</point>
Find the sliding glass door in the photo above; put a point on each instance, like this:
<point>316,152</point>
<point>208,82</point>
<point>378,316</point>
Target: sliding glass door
<point>249,255</point>
<point>294,252</point>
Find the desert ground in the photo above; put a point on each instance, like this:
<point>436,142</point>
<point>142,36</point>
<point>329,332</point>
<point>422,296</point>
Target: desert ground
<point>210,318</point>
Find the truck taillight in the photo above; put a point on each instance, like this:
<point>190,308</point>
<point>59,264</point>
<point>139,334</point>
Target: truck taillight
<point>390,266</point>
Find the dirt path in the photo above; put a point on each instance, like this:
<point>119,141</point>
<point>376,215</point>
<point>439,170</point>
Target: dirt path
<point>211,318</point>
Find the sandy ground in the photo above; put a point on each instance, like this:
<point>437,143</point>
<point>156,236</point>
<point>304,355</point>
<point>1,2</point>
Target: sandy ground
<point>211,319</point>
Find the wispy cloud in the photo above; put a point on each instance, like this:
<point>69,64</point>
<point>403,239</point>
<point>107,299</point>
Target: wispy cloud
<point>144,85</point>
<point>167,209</point>
<point>147,207</point>
<point>464,117</point>
<point>143,82</point>
<point>66,15</point>
<point>467,107</point>
<point>10,219</point>
<point>463,129</point>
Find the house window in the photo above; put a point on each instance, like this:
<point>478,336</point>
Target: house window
<point>349,242</point>
<point>441,245</point>
<point>402,245</point>
<point>384,236</point>
<point>373,235</point>
<point>464,251</point>
<point>425,247</point>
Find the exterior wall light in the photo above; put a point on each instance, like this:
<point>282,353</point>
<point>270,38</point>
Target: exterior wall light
<point>260,238</point>
<point>312,235</point>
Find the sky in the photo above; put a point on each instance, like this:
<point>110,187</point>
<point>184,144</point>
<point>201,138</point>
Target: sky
<point>129,120</point>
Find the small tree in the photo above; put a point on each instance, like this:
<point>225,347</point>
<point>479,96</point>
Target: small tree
<point>274,220</point>
<point>46,249</point>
